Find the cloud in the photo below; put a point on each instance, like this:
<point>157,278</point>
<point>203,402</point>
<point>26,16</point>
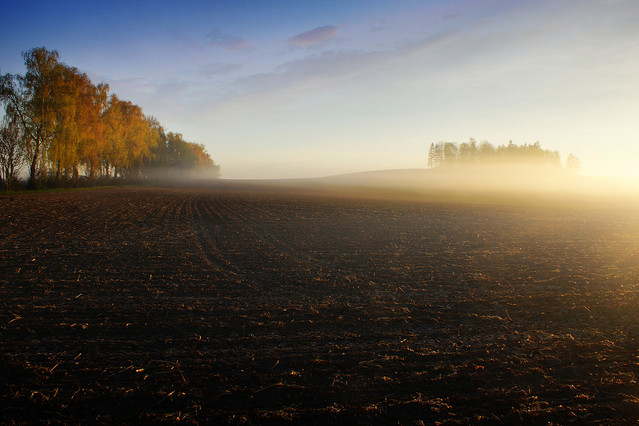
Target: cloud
<point>119,83</point>
<point>215,69</point>
<point>227,41</point>
<point>322,67</point>
<point>452,16</point>
<point>326,71</point>
<point>314,37</point>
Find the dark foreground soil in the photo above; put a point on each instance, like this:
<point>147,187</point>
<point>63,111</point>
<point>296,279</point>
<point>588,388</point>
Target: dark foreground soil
<point>231,305</point>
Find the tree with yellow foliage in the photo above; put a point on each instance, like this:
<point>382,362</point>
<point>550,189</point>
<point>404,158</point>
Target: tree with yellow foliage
<point>73,127</point>
<point>34,99</point>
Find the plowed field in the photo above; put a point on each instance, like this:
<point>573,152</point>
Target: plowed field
<point>238,304</point>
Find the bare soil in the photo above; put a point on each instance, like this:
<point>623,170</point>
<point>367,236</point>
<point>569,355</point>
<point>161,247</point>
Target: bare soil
<point>235,304</point>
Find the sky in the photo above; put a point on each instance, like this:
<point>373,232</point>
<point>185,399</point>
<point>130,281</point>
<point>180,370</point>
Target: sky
<point>289,88</point>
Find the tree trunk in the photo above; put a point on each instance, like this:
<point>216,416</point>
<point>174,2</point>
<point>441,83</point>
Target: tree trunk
<point>4,180</point>
<point>76,176</point>
<point>32,184</point>
<point>57,172</point>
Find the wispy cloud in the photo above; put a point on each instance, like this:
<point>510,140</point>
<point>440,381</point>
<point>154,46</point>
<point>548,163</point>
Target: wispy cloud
<point>327,70</point>
<point>216,69</point>
<point>126,83</point>
<point>217,38</point>
<point>452,16</point>
<point>314,37</point>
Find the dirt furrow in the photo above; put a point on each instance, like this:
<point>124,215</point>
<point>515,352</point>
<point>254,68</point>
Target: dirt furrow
<point>206,228</point>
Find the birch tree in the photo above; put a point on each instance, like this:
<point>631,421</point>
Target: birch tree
<point>34,99</point>
<point>11,150</point>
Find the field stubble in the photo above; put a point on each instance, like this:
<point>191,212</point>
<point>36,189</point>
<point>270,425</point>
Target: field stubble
<point>238,304</point>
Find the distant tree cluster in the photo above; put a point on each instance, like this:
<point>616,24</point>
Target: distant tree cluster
<point>63,127</point>
<point>450,154</point>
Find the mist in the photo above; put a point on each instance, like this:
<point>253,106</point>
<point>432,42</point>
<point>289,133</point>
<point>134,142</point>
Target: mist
<point>504,184</point>
<point>178,175</point>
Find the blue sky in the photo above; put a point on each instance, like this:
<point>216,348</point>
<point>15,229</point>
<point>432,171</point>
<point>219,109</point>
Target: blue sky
<point>313,88</point>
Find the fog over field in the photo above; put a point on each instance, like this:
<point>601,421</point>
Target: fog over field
<point>473,185</point>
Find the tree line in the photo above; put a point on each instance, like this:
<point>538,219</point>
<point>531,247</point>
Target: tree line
<point>471,153</point>
<point>63,128</point>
